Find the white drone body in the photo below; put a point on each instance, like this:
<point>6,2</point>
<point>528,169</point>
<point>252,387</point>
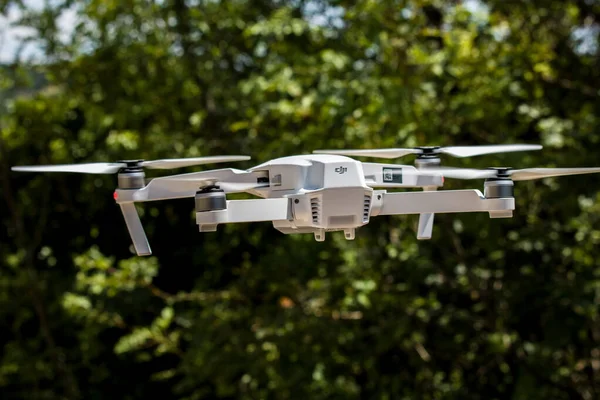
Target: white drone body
<point>316,193</point>
<point>313,193</point>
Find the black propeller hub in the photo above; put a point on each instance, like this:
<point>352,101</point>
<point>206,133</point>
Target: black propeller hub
<point>428,152</point>
<point>131,165</point>
<point>428,149</point>
<point>501,172</point>
<point>210,189</point>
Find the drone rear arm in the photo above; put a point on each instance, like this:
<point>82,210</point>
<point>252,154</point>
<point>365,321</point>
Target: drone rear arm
<point>186,185</point>
<point>245,211</point>
<point>439,202</point>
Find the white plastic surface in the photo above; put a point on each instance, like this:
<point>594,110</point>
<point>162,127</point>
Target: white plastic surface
<point>186,185</point>
<point>247,211</point>
<point>425,228</point>
<point>447,201</point>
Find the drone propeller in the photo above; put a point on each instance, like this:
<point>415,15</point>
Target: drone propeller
<point>526,174</point>
<point>111,168</point>
<point>455,151</point>
<point>89,168</point>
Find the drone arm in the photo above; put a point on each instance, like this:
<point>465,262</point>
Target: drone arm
<point>186,185</point>
<point>246,211</point>
<point>449,201</point>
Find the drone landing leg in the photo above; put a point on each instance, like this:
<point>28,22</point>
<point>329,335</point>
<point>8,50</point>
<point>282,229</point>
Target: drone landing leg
<point>425,229</point>
<point>349,233</point>
<point>425,226</point>
<point>136,230</point>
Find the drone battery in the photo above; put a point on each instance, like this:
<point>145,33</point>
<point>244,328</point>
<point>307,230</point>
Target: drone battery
<point>210,201</point>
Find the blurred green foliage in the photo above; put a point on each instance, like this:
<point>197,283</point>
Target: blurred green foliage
<point>488,309</point>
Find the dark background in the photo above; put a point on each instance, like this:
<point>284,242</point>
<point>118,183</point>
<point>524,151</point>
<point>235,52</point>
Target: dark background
<point>488,309</point>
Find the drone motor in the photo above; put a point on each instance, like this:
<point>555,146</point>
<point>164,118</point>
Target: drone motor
<point>132,176</point>
<point>210,198</point>
<point>500,186</point>
<point>428,157</point>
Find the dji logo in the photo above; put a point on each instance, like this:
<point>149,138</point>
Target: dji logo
<point>341,170</point>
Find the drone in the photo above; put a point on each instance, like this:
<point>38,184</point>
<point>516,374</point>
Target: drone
<point>325,191</point>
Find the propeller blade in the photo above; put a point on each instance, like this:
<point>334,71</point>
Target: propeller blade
<point>539,173</point>
<point>90,168</point>
<point>470,151</point>
<point>380,153</point>
<point>456,151</point>
<point>461,173</point>
<point>188,162</point>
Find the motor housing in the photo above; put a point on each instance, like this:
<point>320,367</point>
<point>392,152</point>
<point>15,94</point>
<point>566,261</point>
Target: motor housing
<point>423,162</point>
<point>211,198</point>
<point>132,176</point>
<point>500,187</point>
